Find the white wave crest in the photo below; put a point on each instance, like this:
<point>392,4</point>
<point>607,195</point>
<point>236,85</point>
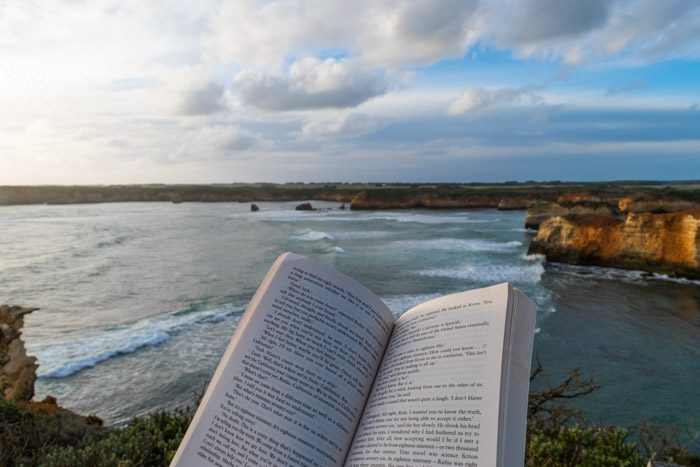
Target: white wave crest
<point>534,257</point>
<point>458,244</point>
<point>488,274</point>
<point>65,358</point>
<point>312,236</point>
<point>398,304</point>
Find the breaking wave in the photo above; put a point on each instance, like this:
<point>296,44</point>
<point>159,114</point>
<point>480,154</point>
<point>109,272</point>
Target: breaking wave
<point>489,274</point>
<point>66,358</point>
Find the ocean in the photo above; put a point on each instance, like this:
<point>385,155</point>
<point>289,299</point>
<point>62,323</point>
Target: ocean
<point>139,300</point>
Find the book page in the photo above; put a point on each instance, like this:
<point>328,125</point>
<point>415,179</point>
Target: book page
<point>436,397</point>
<point>292,384</point>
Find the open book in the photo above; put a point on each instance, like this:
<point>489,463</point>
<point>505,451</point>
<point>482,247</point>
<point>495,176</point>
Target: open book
<point>320,373</point>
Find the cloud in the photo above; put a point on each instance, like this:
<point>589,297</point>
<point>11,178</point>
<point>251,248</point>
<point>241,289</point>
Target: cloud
<point>478,98</point>
<point>388,33</point>
<point>345,125</point>
<point>202,100</point>
<point>214,142</point>
<point>578,32</point>
<point>535,21</point>
<point>311,84</point>
<point>396,33</point>
<point>627,88</point>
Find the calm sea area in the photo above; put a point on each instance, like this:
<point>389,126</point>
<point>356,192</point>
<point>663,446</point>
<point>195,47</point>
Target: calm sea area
<point>139,300</point>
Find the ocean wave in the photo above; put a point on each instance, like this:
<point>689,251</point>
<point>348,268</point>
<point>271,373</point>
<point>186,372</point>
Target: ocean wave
<point>458,244</point>
<point>488,274</point>
<point>362,234</point>
<point>533,257</point>
<point>600,272</point>
<point>364,216</point>
<point>312,236</point>
<point>398,304</point>
<point>112,241</point>
<point>420,218</point>
<point>65,358</point>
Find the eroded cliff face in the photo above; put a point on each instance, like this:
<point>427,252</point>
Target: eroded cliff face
<point>665,243</point>
<point>369,201</point>
<point>605,205</point>
<point>17,370</point>
<point>568,204</point>
<point>17,377</point>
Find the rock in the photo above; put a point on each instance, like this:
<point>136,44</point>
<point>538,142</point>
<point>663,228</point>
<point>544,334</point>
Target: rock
<point>370,200</point>
<point>514,203</point>
<point>646,202</point>
<point>17,370</point>
<point>304,207</point>
<point>665,243</point>
<point>17,377</point>
<point>65,426</point>
<point>540,211</point>
<point>570,203</point>
<point>254,208</point>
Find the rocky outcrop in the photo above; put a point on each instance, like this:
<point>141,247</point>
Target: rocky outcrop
<point>458,199</point>
<point>571,203</point>
<point>62,425</point>
<point>304,207</point>
<point>17,378</point>
<point>604,204</point>
<point>17,370</point>
<point>647,202</point>
<point>667,243</point>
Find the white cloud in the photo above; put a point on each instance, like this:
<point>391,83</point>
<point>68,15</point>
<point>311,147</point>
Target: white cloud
<point>312,83</point>
<point>344,125</point>
<point>202,100</point>
<point>477,98</point>
<point>215,142</point>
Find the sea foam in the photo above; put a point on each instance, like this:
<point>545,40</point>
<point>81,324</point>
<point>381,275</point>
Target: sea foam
<point>65,358</point>
<point>458,244</point>
<point>312,236</point>
<point>489,273</point>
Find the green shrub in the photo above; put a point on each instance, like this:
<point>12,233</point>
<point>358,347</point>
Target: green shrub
<point>146,441</point>
<point>585,447</point>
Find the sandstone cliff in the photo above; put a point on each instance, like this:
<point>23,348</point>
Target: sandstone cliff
<point>604,204</point>
<point>17,378</point>
<point>667,243</point>
<point>17,370</point>
<point>370,200</point>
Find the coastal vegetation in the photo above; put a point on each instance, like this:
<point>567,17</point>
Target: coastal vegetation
<point>557,436</point>
<point>510,195</point>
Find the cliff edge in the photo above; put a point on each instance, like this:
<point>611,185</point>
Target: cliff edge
<point>17,369</point>
<point>17,378</point>
<point>665,243</point>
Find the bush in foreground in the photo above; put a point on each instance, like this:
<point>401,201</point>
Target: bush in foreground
<point>557,437</point>
<point>146,441</point>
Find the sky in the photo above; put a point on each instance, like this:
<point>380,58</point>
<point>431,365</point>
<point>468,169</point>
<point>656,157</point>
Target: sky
<point>215,91</point>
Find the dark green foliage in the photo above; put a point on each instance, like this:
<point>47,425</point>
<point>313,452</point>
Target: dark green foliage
<point>20,435</point>
<point>557,437</point>
<point>146,441</point>
<point>585,447</point>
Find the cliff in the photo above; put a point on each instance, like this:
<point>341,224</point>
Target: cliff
<point>667,243</point>
<point>605,204</point>
<point>441,198</point>
<point>17,378</point>
<point>17,370</point>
